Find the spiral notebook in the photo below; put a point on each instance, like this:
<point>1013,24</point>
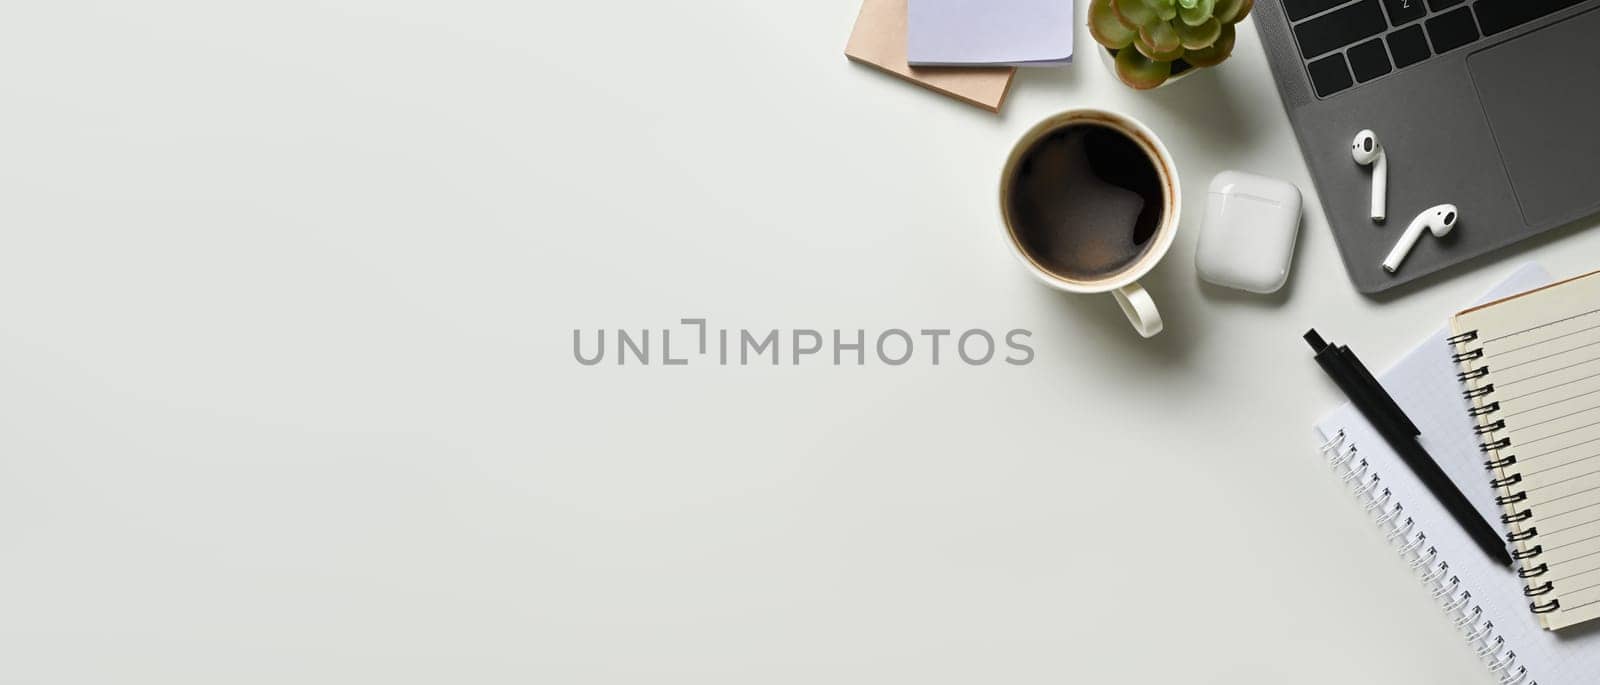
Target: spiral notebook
<point>1531,367</point>
<point>1483,600</point>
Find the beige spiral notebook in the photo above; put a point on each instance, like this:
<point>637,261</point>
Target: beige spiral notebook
<point>1531,367</point>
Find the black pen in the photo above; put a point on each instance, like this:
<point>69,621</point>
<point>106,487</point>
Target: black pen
<point>1397,429</point>
<point>1376,391</point>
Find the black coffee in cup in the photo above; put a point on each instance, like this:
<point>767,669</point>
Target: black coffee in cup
<point>1086,201</point>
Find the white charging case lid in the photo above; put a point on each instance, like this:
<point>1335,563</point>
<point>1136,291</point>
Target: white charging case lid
<point>1248,237</point>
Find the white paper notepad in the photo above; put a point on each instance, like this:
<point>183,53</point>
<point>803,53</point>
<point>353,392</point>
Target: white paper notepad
<point>990,32</point>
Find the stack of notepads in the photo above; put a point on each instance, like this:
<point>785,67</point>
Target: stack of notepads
<point>1511,387</point>
<point>968,49</point>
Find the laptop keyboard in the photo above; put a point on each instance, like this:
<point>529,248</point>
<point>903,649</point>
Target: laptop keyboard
<point>1344,43</point>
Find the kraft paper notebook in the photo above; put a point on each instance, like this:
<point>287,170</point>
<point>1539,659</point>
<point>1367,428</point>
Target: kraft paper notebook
<point>1530,364</point>
<point>879,40</point>
<point>1483,600</point>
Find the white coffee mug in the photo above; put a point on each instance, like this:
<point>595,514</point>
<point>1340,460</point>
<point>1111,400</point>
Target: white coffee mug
<point>1123,283</point>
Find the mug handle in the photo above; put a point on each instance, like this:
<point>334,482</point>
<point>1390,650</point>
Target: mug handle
<point>1140,308</point>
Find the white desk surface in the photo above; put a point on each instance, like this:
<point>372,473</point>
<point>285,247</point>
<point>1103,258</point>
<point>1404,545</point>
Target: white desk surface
<point>287,391</point>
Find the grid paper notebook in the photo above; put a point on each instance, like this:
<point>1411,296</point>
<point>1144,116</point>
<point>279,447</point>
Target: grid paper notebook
<point>1484,600</point>
<point>1531,367</point>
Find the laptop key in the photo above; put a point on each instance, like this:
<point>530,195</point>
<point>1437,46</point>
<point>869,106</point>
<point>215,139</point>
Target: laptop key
<point>1437,5</point>
<point>1341,27</point>
<point>1330,75</point>
<point>1300,9</point>
<point>1452,30</point>
<point>1369,60</point>
<point>1408,46</point>
<point>1402,11</point>
<point>1501,15</point>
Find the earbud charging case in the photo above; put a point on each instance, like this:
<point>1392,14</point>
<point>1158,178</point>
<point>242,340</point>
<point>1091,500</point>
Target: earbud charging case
<point>1248,237</point>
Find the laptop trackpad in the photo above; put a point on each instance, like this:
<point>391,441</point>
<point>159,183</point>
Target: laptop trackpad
<point>1540,96</point>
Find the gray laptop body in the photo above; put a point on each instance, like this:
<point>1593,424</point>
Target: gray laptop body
<point>1491,105</point>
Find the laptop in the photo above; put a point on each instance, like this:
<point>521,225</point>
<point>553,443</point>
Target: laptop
<point>1490,105</point>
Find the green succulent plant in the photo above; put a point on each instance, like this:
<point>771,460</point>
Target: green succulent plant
<point>1153,39</point>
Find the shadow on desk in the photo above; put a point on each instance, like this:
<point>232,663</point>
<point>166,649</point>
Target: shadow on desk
<point>1099,330</point>
<point>1578,632</point>
<point>1046,80</point>
<point>1211,110</point>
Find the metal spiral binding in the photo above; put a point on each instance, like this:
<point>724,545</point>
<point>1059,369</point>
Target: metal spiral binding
<point>1401,531</point>
<point>1485,426</point>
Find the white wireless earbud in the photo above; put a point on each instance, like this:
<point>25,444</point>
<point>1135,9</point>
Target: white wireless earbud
<point>1367,150</point>
<point>1438,221</point>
